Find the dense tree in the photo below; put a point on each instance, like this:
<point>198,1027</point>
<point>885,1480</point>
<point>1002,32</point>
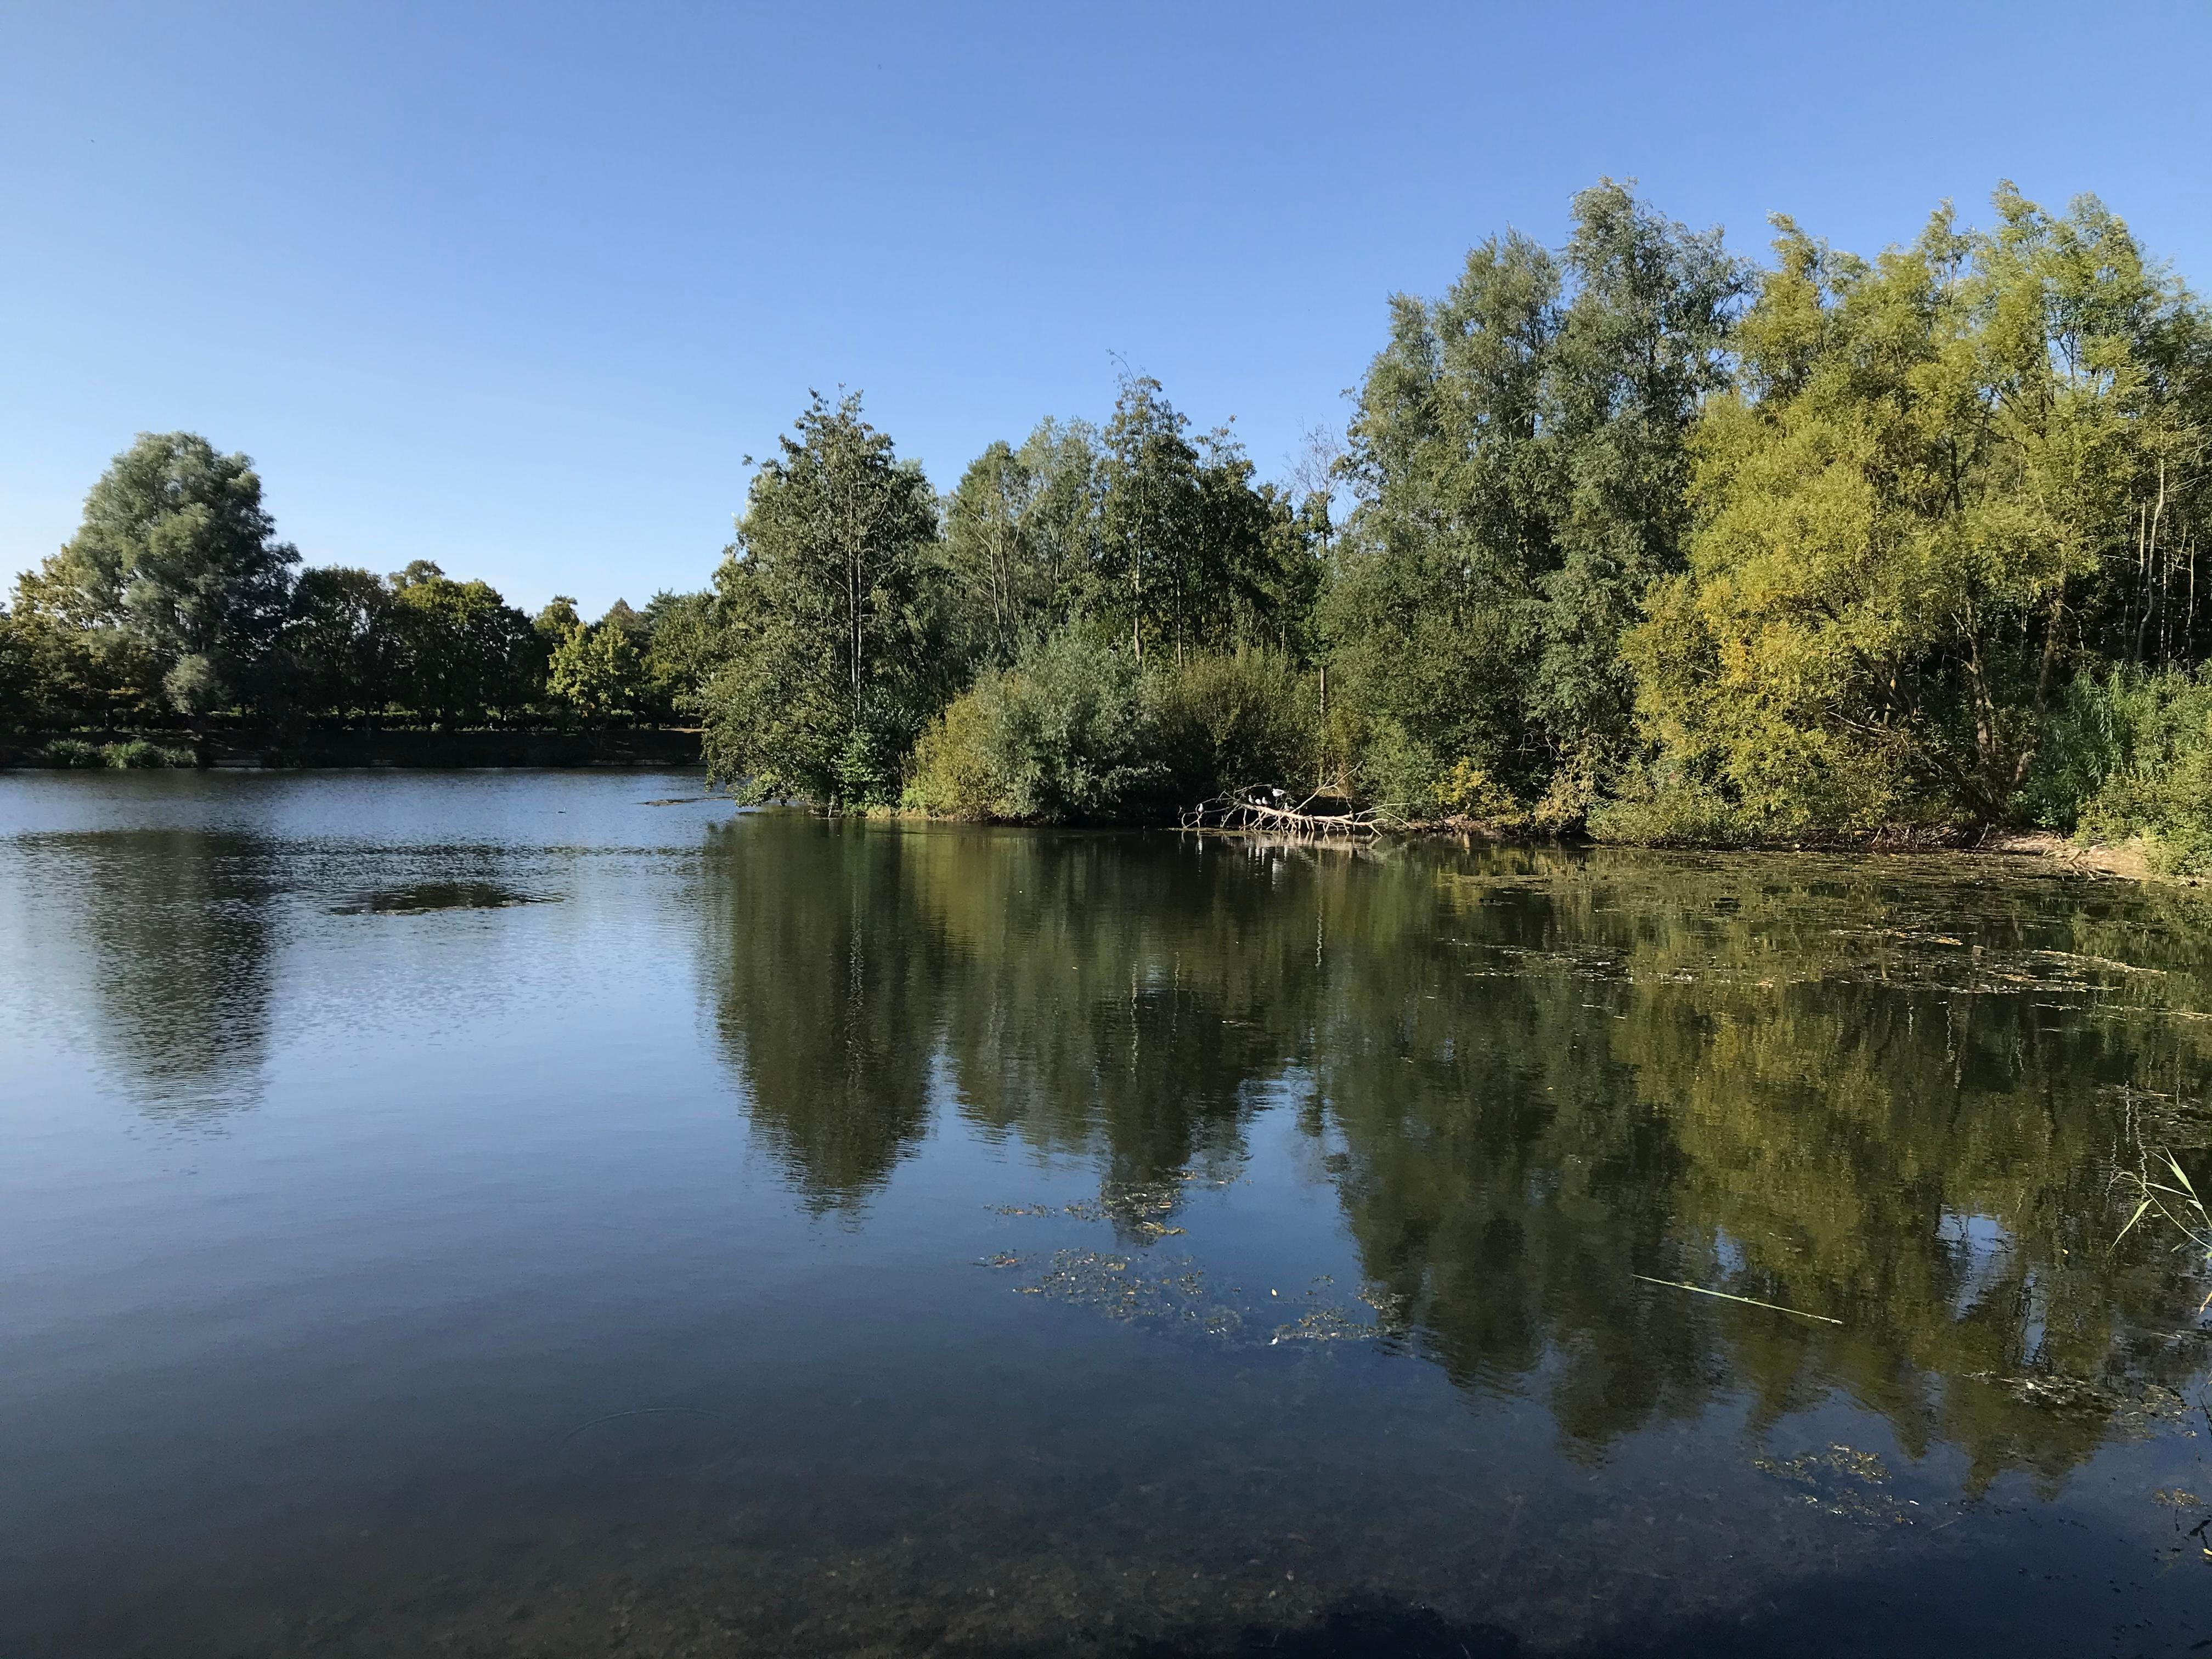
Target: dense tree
<point>19,678</point>
<point>175,577</point>
<point>1520,453</point>
<point>464,651</point>
<point>1022,541</point>
<point>342,642</point>
<point>832,619</point>
<point>1934,495</point>
<point>1007,600</point>
<point>554,621</point>
<point>1907,543</point>
<point>685,649</point>
<point>597,671</point>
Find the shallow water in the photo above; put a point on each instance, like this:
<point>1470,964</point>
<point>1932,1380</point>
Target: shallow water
<point>550,1213</point>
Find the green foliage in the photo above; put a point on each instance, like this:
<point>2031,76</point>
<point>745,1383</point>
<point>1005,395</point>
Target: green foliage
<point>1075,731</point>
<point>1064,736</point>
<point>1468,792</point>
<point>1021,534</point>
<point>553,621</point>
<point>1235,722</point>
<point>1193,555</point>
<point>137,754</point>
<point>175,577</point>
<point>597,672</point>
<point>463,651</point>
<point>69,752</point>
<point>686,648</point>
<point>2129,754</point>
<point>1904,520</point>
<point>175,599</point>
<point>1909,543</point>
<point>20,690</point>
<point>833,624</point>
<point>1520,450</point>
<point>343,640</point>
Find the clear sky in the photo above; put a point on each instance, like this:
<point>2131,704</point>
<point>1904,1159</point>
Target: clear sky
<point>516,287</point>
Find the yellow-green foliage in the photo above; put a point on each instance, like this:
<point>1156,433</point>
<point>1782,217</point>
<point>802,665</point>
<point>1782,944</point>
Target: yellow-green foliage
<point>1929,451</point>
<point>1468,792</point>
<point>952,774</point>
<point>597,671</point>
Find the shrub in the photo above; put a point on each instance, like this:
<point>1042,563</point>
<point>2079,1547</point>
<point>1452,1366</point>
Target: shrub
<point>1224,724</point>
<point>1061,737</point>
<point>68,751</point>
<point>2129,753</point>
<point>953,775</point>
<point>137,754</point>
<point>1469,791</point>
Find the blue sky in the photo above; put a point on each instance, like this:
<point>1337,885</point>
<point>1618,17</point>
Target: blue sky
<point>516,287</point>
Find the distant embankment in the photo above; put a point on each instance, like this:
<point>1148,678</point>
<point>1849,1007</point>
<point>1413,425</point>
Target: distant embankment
<point>427,749</point>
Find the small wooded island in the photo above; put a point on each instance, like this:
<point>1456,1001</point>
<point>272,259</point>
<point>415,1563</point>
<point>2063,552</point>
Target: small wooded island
<point>1643,541</point>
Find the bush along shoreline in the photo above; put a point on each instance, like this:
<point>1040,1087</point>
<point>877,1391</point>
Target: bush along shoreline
<point>1632,538</point>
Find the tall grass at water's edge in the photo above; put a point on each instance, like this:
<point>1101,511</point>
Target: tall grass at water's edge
<point>2176,1203</point>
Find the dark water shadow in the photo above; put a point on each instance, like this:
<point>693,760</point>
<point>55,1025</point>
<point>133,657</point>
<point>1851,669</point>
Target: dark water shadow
<point>418,898</point>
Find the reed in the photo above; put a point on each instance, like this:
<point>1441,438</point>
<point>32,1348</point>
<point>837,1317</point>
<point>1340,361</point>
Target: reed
<point>2178,1204</point>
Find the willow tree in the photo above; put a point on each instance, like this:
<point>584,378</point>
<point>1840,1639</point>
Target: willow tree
<point>1928,499</point>
<point>832,615</point>
<point>175,576</point>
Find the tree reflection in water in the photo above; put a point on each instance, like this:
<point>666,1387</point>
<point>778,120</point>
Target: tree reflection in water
<point>1894,1093</point>
<point>171,933</point>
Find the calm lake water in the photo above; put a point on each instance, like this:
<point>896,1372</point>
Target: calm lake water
<point>552,1213</point>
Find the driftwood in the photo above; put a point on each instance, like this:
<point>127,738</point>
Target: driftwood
<point>1271,811</point>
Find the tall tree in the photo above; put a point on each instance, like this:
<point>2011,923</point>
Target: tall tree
<point>597,672</point>
<point>464,651</point>
<point>1950,472</point>
<point>686,649</point>
<point>1640,346</point>
<point>1152,547</point>
<point>176,562</point>
<point>991,553</point>
<point>833,615</point>
<point>1519,453</point>
<point>1433,618</point>
<point>342,643</point>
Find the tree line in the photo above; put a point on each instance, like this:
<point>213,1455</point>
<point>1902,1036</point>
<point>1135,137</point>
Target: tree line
<point>1645,539</point>
<point>175,603</point>
<point>1642,538</point>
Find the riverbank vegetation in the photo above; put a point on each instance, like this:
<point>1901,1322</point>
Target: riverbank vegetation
<point>1631,537</point>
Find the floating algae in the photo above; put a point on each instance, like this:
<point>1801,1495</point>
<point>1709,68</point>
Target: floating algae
<point>2133,1409</point>
<point>1174,1293</point>
<point>1136,1209</point>
<point>1120,1287</point>
<point>1841,1480</point>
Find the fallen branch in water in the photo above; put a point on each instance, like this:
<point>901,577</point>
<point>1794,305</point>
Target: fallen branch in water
<point>1747,1301</point>
<point>1272,813</point>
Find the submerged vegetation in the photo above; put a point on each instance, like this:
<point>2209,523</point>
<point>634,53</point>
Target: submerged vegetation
<point>1633,537</point>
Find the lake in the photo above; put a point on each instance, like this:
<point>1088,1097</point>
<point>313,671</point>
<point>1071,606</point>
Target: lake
<point>550,1213</point>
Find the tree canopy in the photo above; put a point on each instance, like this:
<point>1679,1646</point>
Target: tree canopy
<point>1644,539</point>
